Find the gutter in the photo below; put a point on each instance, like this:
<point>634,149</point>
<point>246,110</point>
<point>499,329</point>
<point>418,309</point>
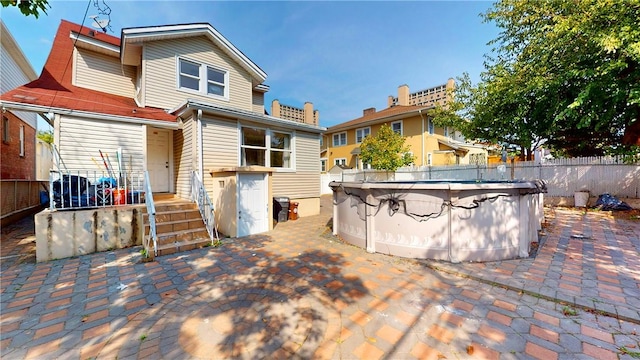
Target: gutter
<point>400,116</point>
<point>243,115</point>
<point>89,115</point>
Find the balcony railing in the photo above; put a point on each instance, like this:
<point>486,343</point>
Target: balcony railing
<point>77,189</point>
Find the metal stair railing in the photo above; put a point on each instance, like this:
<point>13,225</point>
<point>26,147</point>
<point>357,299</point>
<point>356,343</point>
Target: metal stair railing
<point>151,212</point>
<point>200,196</point>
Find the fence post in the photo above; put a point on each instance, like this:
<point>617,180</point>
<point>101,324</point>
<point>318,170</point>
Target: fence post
<point>513,168</point>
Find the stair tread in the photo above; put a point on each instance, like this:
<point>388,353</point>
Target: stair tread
<point>172,211</point>
<point>171,233</point>
<point>172,222</point>
<point>182,243</point>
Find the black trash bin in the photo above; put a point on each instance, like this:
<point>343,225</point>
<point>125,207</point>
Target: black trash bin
<point>280,209</point>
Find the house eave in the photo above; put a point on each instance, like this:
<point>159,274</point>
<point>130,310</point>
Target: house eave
<point>87,42</point>
<point>380,120</point>
<point>8,105</point>
<point>243,115</point>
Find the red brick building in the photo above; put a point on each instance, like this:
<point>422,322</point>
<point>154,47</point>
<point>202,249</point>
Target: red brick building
<point>18,149</point>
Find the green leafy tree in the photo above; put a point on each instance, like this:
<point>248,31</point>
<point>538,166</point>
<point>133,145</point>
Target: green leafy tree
<point>46,136</point>
<point>563,73</point>
<point>386,150</point>
<point>28,7</point>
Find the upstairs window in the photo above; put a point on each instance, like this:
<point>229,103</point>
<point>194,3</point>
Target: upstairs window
<point>397,127</point>
<point>215,81</point>
<point>362,133</point>
<point>431,127</point>
<point>202,78</point>
<point>340,139</point>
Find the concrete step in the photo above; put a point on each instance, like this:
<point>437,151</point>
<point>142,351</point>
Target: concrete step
<point>179,226</point>
<point>183,235</point>
<point>174,215</point>
<point>163,227</point>
<point>167,249</point>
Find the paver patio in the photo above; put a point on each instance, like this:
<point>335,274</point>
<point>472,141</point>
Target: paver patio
<point>298,292</point>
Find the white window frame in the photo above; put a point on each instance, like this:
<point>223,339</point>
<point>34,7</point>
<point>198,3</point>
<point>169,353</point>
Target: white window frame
<point>339,135</point>
<point>5,129</point>
<point>360,134</point>
<point>268,133</point>
<point>401,132</point>
<point>203,80</point>
<point>446,131</point>
<point>323,165</point>
<point>21,140</point>
<point>431,128</point>
<point>340,161</point>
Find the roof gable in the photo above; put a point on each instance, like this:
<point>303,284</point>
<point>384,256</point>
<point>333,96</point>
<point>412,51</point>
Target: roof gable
<point>132,38</point>
<point>54,89</point>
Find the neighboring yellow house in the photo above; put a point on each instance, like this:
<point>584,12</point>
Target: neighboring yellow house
<point>407,115</point>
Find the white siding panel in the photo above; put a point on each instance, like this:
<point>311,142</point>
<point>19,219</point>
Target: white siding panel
<point>80,140</point>
<point>296,185</point>
<point>305,182</point>
<point>104,73</point>
<point>220,143</point>
<point>258,102</point>
<point>11,77</point>
<point>307,152</point>
<point>183,143</point>
<point>160,68</point>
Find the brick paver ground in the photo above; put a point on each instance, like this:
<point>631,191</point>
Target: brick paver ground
<point>299,292</point>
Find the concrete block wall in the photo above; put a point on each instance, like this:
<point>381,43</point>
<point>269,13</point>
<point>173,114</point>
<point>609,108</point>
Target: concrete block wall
<point>63,234</point>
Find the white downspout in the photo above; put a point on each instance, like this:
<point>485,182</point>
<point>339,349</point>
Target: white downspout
<point>422,137</point>
<point>199,145</point>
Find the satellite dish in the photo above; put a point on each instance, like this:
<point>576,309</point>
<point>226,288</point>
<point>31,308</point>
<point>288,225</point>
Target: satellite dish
<point>98,23</point>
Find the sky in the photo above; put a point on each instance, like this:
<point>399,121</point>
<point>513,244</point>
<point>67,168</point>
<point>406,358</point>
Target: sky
<point>342,56</point>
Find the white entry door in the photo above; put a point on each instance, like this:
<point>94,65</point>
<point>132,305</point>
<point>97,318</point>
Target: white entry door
<point>253,206</point>
<point>158,159</point>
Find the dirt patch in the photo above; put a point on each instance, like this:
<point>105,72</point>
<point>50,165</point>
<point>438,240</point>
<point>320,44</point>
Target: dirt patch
<point>633,214</point>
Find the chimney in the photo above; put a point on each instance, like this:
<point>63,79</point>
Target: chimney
<point>275,108</point>
<point>309,117</point>
<point>370,110</point>
<point>390,101</point>
<point>403,95</point>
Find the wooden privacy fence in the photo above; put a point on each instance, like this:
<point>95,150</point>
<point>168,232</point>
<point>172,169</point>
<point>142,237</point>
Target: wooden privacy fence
<point>19,195</point>
<point>564,177</point>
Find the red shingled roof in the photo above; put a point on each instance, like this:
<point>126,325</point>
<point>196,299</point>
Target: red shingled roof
<point>54,89</point>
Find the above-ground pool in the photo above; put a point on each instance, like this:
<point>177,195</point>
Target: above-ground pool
<point>442,220</point>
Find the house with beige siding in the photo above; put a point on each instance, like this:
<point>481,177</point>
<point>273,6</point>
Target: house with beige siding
<point>407,115</point>
<point>176,101</point>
